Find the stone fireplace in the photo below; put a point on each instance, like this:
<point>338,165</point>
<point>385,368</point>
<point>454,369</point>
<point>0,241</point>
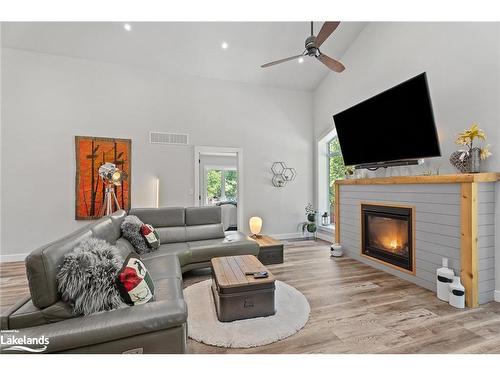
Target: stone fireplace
<point>387,235</point>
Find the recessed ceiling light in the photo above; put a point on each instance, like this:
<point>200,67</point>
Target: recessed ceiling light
<point>224,45</point>
<point>127,27</point>
<point>301,60</point>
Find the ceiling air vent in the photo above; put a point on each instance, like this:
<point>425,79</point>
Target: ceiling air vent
<point>168,138</point>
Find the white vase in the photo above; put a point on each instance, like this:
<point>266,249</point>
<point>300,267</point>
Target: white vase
<point>457,293</point>
<point>444,277</point>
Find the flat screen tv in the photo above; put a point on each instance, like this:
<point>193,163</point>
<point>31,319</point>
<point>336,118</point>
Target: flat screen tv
<point>395,125</point>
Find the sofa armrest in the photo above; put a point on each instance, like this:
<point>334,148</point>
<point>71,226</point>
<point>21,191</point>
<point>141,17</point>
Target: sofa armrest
<point>107,326</point>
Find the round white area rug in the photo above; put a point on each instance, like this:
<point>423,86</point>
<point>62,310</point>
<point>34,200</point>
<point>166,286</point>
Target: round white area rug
<point>292,313</point>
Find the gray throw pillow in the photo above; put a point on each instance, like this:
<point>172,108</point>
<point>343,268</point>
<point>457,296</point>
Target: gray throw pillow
<point>86,278</point>
<point>131,230</point>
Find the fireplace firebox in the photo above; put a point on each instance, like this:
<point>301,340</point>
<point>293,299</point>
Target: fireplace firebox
<point>387,235</point>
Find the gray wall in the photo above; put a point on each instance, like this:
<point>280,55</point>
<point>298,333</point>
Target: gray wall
<point>437,228</point>
<point>47,100</point>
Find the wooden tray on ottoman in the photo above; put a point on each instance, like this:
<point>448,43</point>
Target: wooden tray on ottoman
<point>238,296</point>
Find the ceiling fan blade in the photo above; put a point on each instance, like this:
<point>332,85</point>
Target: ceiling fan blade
<point>326,30</point>
<point>281,61</point>
<point>333,64</point>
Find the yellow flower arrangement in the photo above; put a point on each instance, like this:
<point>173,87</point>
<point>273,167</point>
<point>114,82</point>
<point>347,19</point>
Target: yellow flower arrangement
<point>466,138</point>
<point>485,152</point>
<point>468,135</point>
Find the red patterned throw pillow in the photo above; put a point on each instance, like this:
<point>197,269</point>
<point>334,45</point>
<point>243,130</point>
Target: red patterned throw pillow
<point>134,281</point>
<point>151,236</point>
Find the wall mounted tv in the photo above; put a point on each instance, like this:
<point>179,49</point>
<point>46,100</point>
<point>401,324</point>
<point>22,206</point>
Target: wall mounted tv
<point>395,127</point>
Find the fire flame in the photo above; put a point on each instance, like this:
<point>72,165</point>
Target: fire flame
<point>388,234</point>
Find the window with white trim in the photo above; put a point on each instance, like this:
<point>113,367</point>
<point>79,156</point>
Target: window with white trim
<point>335,170</point>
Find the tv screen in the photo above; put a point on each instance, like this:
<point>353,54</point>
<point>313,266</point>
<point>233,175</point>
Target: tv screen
<point>397,124</point>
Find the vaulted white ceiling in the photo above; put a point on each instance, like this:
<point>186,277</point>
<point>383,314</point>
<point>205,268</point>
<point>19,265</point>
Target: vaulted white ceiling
<point>192,48</point>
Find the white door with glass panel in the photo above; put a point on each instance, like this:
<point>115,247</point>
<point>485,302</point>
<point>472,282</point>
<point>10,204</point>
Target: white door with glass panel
<point>219,186</point>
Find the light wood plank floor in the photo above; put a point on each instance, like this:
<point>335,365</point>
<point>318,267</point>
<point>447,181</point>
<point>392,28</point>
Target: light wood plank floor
<point>354,309</point>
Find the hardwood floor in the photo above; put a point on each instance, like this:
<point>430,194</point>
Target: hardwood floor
<point>354,309</point>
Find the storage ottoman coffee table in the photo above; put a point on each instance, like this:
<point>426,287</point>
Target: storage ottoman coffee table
<point>239,296</point>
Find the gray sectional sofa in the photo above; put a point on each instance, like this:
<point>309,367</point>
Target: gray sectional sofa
<point>189,237</point>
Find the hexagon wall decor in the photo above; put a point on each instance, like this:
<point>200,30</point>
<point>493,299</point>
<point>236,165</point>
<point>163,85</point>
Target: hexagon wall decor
<point>282,174</point>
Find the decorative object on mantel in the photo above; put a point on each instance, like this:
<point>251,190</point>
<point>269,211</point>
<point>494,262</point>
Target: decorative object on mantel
<point>336,250</point>
<point>90,189</point>
<point>457,293</point>
<point>282,174</point>
<point>349,172</point>
<point>310,224</point>
<point>469,160</point>
<point>444,277</point>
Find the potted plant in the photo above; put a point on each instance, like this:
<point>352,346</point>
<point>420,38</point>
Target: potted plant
<point>311,213</point>
<point>469,159</point>
<point>310,224</point>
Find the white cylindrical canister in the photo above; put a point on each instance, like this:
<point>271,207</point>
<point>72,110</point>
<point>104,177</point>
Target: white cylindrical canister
<point>336,250</point>
<point>457,293</point>
<point>444,277</point>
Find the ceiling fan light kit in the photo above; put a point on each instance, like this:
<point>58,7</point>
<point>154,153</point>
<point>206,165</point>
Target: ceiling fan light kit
<point>312,45</point>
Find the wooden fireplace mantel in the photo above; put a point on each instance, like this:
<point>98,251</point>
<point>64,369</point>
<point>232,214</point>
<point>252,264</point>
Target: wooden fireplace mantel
<point>468,217</point>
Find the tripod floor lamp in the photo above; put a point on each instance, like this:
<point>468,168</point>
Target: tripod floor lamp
<point>111,177</point>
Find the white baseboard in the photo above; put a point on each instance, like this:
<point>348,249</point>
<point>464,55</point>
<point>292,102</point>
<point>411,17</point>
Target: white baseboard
<point>12,257</point>
<point>496,296</point>
<point>329,237</point>
<point>287,236</point>
<point>298,235</point>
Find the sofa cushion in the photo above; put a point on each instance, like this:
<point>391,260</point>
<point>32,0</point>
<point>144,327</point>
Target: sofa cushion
<point>124,247</point>
<point>131,230</point>
<point>168,289</point>
<point>204,232</point>
<point>104,230</point>
<point>43,264</point>
<point>234,244</point>
<point>164,266</point>
<point>203,215</point>
<point>134,281</point>
<point>181,250</point>
<point>160,217</point>
<point>28,315</point>
<point>172,234</point>
<point>151,236</point>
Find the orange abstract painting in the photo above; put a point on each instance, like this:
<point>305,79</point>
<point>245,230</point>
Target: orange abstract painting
<point>91,153</point>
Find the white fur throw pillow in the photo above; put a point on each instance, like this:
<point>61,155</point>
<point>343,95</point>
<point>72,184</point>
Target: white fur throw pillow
<point>86,278</point>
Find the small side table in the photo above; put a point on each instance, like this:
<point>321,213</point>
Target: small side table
<point>271,250</point>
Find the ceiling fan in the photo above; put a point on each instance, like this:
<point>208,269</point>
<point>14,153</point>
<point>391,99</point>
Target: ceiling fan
<point>312,45</point>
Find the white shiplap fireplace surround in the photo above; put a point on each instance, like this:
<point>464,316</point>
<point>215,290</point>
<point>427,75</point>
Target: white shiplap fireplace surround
<point>454,217</point>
